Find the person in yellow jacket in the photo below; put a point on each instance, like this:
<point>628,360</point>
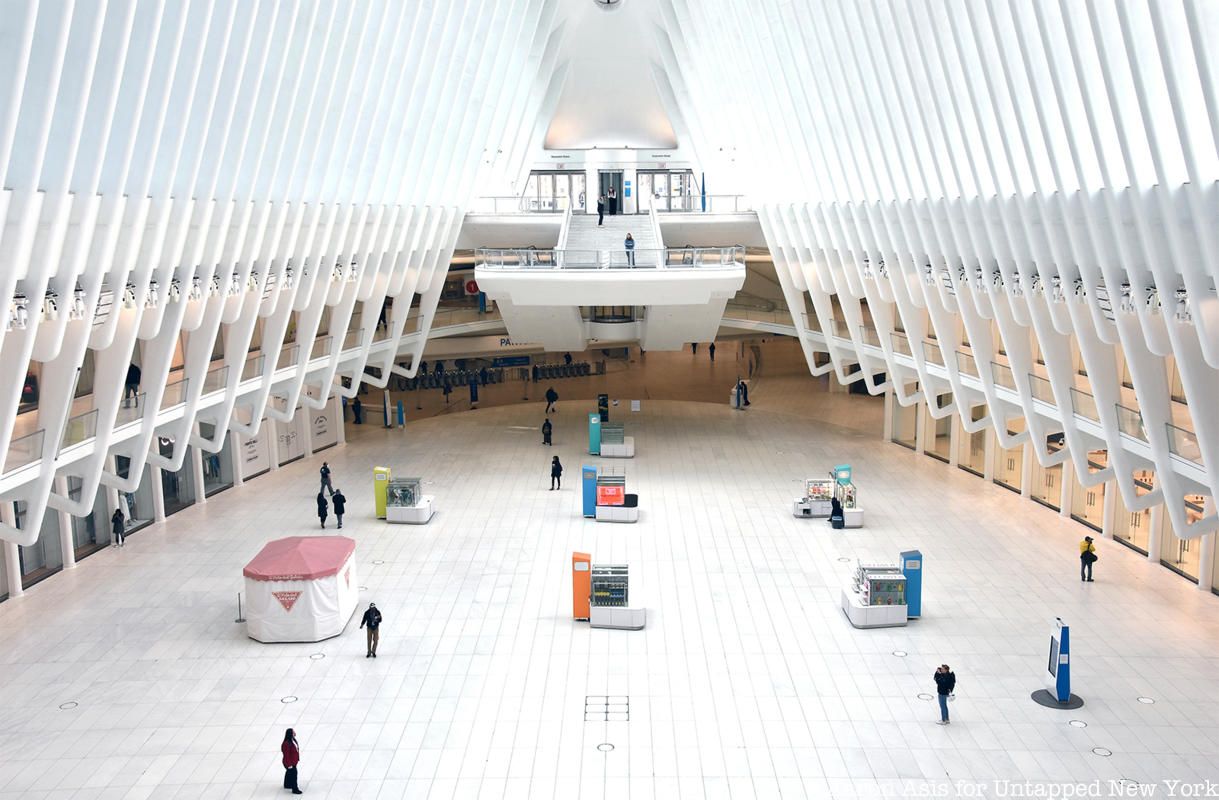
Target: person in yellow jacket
<point>1087,557</point>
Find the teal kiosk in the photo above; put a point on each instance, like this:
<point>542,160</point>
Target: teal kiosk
<point>594,435</point>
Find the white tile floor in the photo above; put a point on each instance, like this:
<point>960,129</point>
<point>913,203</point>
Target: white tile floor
<point>748,681</point>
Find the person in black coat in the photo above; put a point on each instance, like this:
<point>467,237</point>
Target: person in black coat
<point>945,684</point>
<point>357,411</point>
<point>372,618</point>
<point>118,524</point>
<point>552,397</point>
<point>613,201</point>
<point>340,505</point>
<point>547,428</point>
<point>837,520</point>
<point>601,210</point>
<point>536,372</point>
<point>556,474</point>
<point>322,507</point>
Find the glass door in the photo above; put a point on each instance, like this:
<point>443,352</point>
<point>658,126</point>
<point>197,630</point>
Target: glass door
<point>1088,503</point>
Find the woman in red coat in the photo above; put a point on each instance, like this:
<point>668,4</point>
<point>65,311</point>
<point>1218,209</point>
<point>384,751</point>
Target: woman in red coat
<point>292,757</point>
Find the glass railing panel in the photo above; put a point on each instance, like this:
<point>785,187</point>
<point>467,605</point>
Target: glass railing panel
<point>353,339</point>
<point>900,343</point>
<point>576,259</point>
<point>287,356</point>
<point>932,353</point>
<point>216,379</point>
<point>1130,422</point>
<point>1002,375</point>
<point>175,394</point>
<point>869,335</point>
<point>78,429</point>
<point>253,366</point>
<point>1183,444</point>
<point>840,329</point>
<point>966,365</point>
<point>24,451</point>
<point>321,347</point>
<point>1084,405</point>
<point>130,410</point>
<point>634,259</point>
<point>1041,389</point>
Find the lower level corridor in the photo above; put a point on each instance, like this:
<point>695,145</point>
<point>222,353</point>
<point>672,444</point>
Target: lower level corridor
<point>128,678</point>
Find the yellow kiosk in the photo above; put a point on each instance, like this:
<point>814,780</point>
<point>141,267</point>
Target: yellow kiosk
<point>380,485</point>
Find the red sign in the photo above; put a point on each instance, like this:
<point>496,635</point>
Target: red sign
<point>611,495</point>
<point>471,286</point>
<point>287,599</point>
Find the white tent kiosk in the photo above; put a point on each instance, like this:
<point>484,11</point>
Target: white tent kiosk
<point>301,589</point>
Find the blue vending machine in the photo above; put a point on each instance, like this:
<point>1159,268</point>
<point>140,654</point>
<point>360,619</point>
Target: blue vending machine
<point>588,487</point>
<point>594,434</point>
<point>912,568</point>
<point>1059,666</point>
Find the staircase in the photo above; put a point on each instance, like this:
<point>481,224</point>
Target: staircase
<point>584,234</point>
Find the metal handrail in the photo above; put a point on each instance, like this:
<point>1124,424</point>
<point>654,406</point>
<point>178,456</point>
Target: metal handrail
<point>667,258</point>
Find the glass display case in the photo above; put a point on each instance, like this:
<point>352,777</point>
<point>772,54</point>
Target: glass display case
<point>404,492</point>
<point>819,490</point>
<point>883,589</point>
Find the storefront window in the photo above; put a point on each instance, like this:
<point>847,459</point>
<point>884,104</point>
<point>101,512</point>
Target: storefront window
<point>1088,503</point>
<point>137,505</point>
<point>1009,462</point>
<point>91,532</point>
<point>44,557</point>
<point>1182,555</point>
<point>1047,481</point>
<point>178,487</point>
<point>217,467</point>
<point>1133,528</point>
<point>971,451</point>
<point>939,431</point>
<point>905,424</point>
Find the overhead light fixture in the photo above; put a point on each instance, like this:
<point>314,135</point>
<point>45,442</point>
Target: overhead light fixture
<point>996,279</point>
<point>253,280</point>
<point>353,271</point>
<point>1035,283</point>
<point>196,288</point>
<point>213,290</point>
<point>175,290</point>
<point>867,269</point>
<point>129,296</point>
<point>336,274</point>
<point>1183,313</point>
<point>1056,293</point>
<point>882,269</point>
<point>289,278</point>
<point>19,313</point>
<point>235,284</point>
<point>150,297</point>
<point>928,275</point>
<point>1078,289</point>
<point>1153,300</point>
<point>50,305</point>
<point>78,309</point>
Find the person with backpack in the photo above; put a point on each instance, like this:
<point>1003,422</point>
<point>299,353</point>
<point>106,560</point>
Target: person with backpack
<point>556,474</point>
<point>1087,557</point>
<point>837,519</point>
<point>945,685</point>
<point>547,428</point>
<point>340,505</point>
<point>552,397</point>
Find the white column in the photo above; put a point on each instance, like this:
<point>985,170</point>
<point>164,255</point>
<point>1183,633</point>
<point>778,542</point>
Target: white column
<point>988,450</point>
<point>920,427</point>
<point>66,545</point>
<point>1026,469</point>
<point>1156,522</point>
<point>1067,495</point>
<point>238,460</point>
<point>158,493</point>
<point>12,557</point>
<point>272,435</point>
<point>306,431</point>
<point>954,438</point>
<point>1206,553</point>
<point>112,494</point>
<point>888,424</point>
<point>341,416</point>
<point>196,468</point>
<point>1108,510</point>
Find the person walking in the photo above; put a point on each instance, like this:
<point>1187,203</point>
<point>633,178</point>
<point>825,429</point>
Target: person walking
<point>357,411</point>
<point>552,397</point>
<point>372,618</point>
<point>613,201</point>
<point>743,388</point>
<point>547,428</point>
<point>448,389</point>
<point>131,387</point>
<point>1087,557</point>
<point>322,507</point>
<point>556,474</point>
<point>567,359</point>
<point>694,348</point>
<point>536,373</point>
<point>118,524</point>
<point>600,210</point>
<point>945,684</point>
<point>291,752</point>
<point>629,244</point>
<point>340,505</point>
<point>324,472</point>
<point>711,351</point>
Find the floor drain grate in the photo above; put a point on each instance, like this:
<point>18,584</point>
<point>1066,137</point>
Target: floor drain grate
<point>607,708</point>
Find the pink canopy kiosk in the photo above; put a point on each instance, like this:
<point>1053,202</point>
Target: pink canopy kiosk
<point>301,589</point>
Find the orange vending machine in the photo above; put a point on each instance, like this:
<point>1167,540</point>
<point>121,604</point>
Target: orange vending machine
<point>581,585</point>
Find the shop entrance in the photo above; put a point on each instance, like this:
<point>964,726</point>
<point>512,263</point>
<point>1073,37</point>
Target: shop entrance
<point>555,190</point>
<point>670,190</point>
<point>611,179</point>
